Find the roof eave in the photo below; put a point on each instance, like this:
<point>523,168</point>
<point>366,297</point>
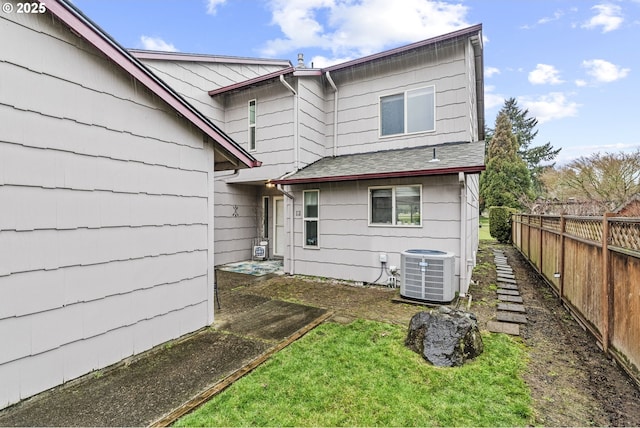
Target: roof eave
<point>465,32</point>
<point>252,82</point>
<point>194,57</point>
<point>86,29</point>
<point>383,175</point>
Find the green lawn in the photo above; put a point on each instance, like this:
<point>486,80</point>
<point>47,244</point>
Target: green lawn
<point>484,229</point>
<point>361,374</point>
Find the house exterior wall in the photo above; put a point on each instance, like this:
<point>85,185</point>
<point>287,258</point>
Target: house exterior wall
<point>312,127</point>
<point>236,225</point>
<point>106,246</point>
<point>238,196</point>
<point>193,80</point>
<point>472,200</point>
<point>349,247</point>
<point>359,91</point>
<point>472,101</point>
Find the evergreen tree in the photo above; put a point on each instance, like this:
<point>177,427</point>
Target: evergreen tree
<point>523,128</point>
<point>506,181</point>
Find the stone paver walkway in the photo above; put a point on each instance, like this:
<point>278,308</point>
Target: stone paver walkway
<point>511,311</point>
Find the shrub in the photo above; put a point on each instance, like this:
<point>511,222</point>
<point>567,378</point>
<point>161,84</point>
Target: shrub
<point>500,223</point>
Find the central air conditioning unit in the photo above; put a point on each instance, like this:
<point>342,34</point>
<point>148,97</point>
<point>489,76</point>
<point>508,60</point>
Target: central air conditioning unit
<point>428,275</point>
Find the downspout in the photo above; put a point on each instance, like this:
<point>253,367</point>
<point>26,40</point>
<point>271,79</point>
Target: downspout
<point>291,225</point>
<point>335,113</point>
<point>463,235</point>
<point>296,167</point>
<point>296,146</point>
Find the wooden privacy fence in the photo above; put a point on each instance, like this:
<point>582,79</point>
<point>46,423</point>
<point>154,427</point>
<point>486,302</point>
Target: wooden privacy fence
<point>593,265</point>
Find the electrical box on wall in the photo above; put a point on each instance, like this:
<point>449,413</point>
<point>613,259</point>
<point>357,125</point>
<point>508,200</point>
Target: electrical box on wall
<point>383,257</point>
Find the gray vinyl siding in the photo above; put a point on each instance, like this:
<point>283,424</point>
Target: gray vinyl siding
<point>193,80</point>
<point>106,200</point>
<point>236,225</point>
<point>350,247</point>
<point>312,127</point>
<point>274,129</point>
<point>360,90</point>
<point>472,114</point>
<point>472,188</point>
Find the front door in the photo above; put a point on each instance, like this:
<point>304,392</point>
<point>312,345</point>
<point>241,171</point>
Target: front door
<point>278,226</point>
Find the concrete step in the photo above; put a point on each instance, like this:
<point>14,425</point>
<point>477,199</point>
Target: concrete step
<point>513,317</point>
<point>509,299</point>
<point>508,292</point>
<point>511,307</point>
<point>503,327</point>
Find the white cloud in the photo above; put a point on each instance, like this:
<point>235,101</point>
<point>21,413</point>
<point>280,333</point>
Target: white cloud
<point>552,106</point>
<point>609,17</point>
<point>556,15</point>
<point>492,100</point>
<point>604,71</point>
<point>354,28</point>
<point>580,82</point>
<point>212,6</point>
<point>156,44</point>
<point>491,71</point>
<point>544,74</point>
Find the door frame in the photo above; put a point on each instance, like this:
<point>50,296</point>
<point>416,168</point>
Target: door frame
<point>276,238</point>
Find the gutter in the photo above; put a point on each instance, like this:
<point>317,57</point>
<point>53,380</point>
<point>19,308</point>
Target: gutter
<point>379,175</point>
<point>335,113</point>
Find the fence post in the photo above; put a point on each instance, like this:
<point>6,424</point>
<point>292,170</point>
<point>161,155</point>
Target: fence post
<point>540,234</point>
<point>529,237</point>
<point>606,292</point>
<point>561,267</point>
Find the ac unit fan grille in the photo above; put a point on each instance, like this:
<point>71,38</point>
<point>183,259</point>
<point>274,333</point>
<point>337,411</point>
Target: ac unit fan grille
<point>428,275</point>
<point>433,279</point>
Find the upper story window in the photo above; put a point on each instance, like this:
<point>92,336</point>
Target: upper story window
<point>252,125</point>
<point>395,205</point>
<point>408,112</point>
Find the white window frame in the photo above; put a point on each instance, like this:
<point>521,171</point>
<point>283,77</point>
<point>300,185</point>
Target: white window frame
<point>404,94</point>
<point>251,131</point>
<point>305,219</point>
<point>393,206</point>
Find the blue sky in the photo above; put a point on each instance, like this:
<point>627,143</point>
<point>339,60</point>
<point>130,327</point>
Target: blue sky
<point>574,64</point>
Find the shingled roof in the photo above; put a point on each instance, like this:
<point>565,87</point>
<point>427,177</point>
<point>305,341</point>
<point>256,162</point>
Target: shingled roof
<point>449,158</point>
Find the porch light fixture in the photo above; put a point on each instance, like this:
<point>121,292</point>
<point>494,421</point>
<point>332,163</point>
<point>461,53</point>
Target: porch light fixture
<point>270,185</point>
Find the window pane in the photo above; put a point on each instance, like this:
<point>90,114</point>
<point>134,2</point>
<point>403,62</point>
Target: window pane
<point>381,206</point>
<point>252,138</point>
<point>252,112</point>
<point>392,114</point>
<point>311,204</point>
<point>311,233</point>
<point>420,110</point>
<point>408,205</point>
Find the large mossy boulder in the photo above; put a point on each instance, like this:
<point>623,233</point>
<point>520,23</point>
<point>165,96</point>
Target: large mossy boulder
<point>445,337</point>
